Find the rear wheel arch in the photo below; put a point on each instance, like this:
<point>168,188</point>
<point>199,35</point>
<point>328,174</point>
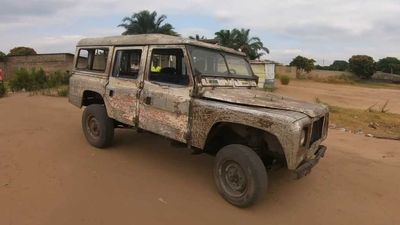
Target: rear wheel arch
<point>90,97</point>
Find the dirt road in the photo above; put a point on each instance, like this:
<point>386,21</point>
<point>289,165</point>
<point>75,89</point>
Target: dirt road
<point>348,96</point>
<point>50,175</point>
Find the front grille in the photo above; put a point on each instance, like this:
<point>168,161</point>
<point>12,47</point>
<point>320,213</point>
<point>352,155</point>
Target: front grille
<point>317,130</point>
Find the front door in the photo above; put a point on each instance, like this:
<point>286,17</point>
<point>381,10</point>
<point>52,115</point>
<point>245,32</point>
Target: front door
<point>165,98</point>
<point>123,88</point>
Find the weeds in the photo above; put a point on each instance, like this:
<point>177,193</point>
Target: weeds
<point>284,79</point>
<point>341,79</point>
<point>60,91</point>
<point>382,109</point>
<point>36,81</point>
<point>3,89</point>
<point>28,80</point>
<point>379,123</point>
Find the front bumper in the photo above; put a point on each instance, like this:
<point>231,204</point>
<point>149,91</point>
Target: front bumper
<point>305,168</point>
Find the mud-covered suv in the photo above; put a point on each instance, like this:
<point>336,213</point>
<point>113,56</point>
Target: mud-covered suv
<point>199,94</point>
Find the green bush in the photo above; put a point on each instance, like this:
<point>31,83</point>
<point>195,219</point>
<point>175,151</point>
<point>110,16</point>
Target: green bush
<point>57,78</point>
<point>34,80</point>
<point>63,91</point>
<point>29,80</point>
<point>285,79</point>
<point>3,89</point>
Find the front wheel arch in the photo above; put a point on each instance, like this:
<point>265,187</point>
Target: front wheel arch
<point>264,143</point>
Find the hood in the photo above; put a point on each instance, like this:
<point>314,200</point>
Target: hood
<point>259,98</point>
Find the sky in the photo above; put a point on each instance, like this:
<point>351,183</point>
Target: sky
<point>324,30</point>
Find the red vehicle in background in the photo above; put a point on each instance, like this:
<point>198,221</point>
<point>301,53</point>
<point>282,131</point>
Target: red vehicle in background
<point>1,75</point>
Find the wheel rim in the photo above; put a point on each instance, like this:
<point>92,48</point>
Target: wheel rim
<point>233,177</point>
<point>92,126</point>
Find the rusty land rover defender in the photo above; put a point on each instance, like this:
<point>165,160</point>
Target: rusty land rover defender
<point>202,95</point>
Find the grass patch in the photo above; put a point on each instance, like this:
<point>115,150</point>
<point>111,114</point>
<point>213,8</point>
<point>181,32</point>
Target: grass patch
<point>60,91</point>
<point>379,124</point>
<point>341,79</point>
<point>376,84</point>
<point>351,80</point>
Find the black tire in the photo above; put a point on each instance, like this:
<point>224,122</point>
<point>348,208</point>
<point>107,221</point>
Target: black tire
<point>245,186</point>
<point>97,126</point>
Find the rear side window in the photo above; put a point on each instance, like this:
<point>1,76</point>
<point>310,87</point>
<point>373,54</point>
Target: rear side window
<point>127,63</point>
<point>92,59</point>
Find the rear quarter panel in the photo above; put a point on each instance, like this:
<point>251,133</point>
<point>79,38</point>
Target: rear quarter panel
<point>80,82</point>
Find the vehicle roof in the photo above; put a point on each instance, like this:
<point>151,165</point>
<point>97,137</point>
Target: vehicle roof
<point>150,39</point>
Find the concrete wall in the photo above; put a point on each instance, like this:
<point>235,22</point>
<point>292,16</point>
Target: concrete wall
<point>259,70</point>
<point>286,70</point>
<point>48,62</point>
<point>386,77</point>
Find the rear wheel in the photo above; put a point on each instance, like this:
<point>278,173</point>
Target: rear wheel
<point>240,175</point>
<point>97,126</point>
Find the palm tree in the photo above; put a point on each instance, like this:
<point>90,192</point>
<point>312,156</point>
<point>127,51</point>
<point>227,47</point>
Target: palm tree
<point>226,38</point>
<point>146,22</point>
<point>197,37</point>
<point>241,40</point>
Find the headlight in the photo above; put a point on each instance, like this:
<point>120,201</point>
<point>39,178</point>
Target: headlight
<point>303,137</point>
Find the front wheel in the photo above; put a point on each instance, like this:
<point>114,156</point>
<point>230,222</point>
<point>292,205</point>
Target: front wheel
<point>97,126</point>
<point>240,175</point>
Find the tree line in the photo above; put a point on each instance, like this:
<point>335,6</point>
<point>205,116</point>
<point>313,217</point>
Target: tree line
<point>363,66</point>
<point>18,51</point>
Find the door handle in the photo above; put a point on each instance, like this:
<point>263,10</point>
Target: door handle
<point>147,100</point>
<point>111,92</point>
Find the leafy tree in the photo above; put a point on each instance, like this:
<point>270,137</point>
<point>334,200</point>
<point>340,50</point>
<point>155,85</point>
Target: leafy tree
<point>241,40</point>
<point>146,22</point>
<point>319,67</point>
<point>302,64</point>
<point>22,51</point>
<point>2,56</point>
<point>389,65</point>
<point>362,65</point>
<point>339,65</point>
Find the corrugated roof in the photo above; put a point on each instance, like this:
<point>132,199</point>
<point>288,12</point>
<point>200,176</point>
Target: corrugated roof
<point>266,61</point>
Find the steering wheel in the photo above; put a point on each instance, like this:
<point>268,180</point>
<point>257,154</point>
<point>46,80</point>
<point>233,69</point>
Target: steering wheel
<point>232,71</point>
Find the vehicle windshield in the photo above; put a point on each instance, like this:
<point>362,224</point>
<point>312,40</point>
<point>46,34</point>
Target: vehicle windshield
<point>209,62</point>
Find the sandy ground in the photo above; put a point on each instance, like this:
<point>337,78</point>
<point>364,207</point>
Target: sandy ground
<point>50,175</point>
<point>342,95</point>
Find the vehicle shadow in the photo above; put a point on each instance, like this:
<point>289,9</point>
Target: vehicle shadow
<point>180,162</point>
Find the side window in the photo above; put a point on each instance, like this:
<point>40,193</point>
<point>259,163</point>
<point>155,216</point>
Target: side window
<point>168,66</point>
<point>83,60</point>
<point>127,63</point>
<point>94,59</point>
<point>100,60</point>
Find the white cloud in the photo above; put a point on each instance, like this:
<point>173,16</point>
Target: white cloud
<point>322,29</point>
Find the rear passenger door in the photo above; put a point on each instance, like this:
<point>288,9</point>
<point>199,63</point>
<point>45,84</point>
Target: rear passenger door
<point>165,97</point>
<point>123,88</point>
